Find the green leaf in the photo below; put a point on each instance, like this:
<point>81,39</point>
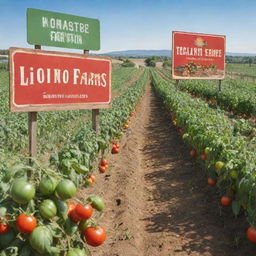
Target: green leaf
<point>236,206</point>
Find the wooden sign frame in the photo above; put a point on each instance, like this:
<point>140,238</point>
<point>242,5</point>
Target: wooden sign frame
<point>54,107</point>
<point>176,77</point>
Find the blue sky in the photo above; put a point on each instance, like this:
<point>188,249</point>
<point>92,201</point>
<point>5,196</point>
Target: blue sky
<point>141,24</point>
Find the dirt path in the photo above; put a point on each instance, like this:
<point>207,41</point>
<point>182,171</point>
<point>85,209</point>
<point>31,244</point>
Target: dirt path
<point>158,203</point>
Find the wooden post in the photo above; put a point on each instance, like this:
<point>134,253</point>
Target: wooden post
<point>177,83</point>
<point>95,112</point>
<point>219,85</point>
<point>32,128</point>
<point>96,120</point>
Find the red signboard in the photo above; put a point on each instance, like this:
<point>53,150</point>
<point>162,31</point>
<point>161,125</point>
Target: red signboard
<point>198,56</point>
<point>43,80</point>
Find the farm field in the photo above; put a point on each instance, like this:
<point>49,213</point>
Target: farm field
<point>160,203</point>
<point>55,127</point>
<point>155,191</point>
<point>241,69</point>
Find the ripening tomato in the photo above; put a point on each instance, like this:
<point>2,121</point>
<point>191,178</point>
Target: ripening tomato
<point>25,223</point>
<point>92,177</point>
<point>206,151</point>
<point>211,182</point>
<point>84,224</point>
<point>116,144</point>
<point>103,162</point>
<point>203,157</point>
<point>218,166</point>
<point>71,207</point>
<point>95,236</point>
<point>225,200</point>
<point>83,212</point>
<point>115,150</point>
<point>251,234</point>
<point>102,169</point>
<point>193,153</point>
<point>4,228</point>
<point>88,182</point>
<point>73,216</point>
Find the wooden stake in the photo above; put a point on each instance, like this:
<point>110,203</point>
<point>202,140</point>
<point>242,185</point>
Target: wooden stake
<point>96,120</point>
<point>219,85</point>
<point>32,130</point>
<point>177,83</point>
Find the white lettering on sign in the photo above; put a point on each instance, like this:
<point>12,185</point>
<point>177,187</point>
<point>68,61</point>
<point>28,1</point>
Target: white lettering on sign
<point>71,26</point>
<point>64,30</point>
<point>66,37</point>
<point>198,52</point>
<point>58,76</point>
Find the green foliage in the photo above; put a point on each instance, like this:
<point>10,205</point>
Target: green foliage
<point>56,235</point>
<point>167,63</point>
<point>127,63</point>
<point>206,127</point>
<point>242,69</point>
<point>150,62</point>
<point>237,96</point>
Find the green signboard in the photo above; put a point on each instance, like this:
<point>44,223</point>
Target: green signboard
<point>62,30</point>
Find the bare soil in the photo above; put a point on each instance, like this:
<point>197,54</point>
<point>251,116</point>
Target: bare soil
<point>157,199</point>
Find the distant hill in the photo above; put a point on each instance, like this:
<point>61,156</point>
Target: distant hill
<point>147,53</point>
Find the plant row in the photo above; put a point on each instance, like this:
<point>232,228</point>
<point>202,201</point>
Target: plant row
<point>229,158</point>
<point>39,214</point>
<point>236,95</point>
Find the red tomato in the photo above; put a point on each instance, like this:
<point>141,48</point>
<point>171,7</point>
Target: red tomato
<point>92,177</point>
<point>83,212</point>
<point>71,207</point>
<point>73,216</point>
<point>25,223</point>
<point>115,150</point>
<point>4,228</point>
<point>225,200</point>
<point>211,182</point>
<point>251,234</point>
<point>116,145</point>
<point>95,236</point>
<point>103,162</point>
<point>203,157</point>
<point>193,153</point>
<point>102,169</point>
